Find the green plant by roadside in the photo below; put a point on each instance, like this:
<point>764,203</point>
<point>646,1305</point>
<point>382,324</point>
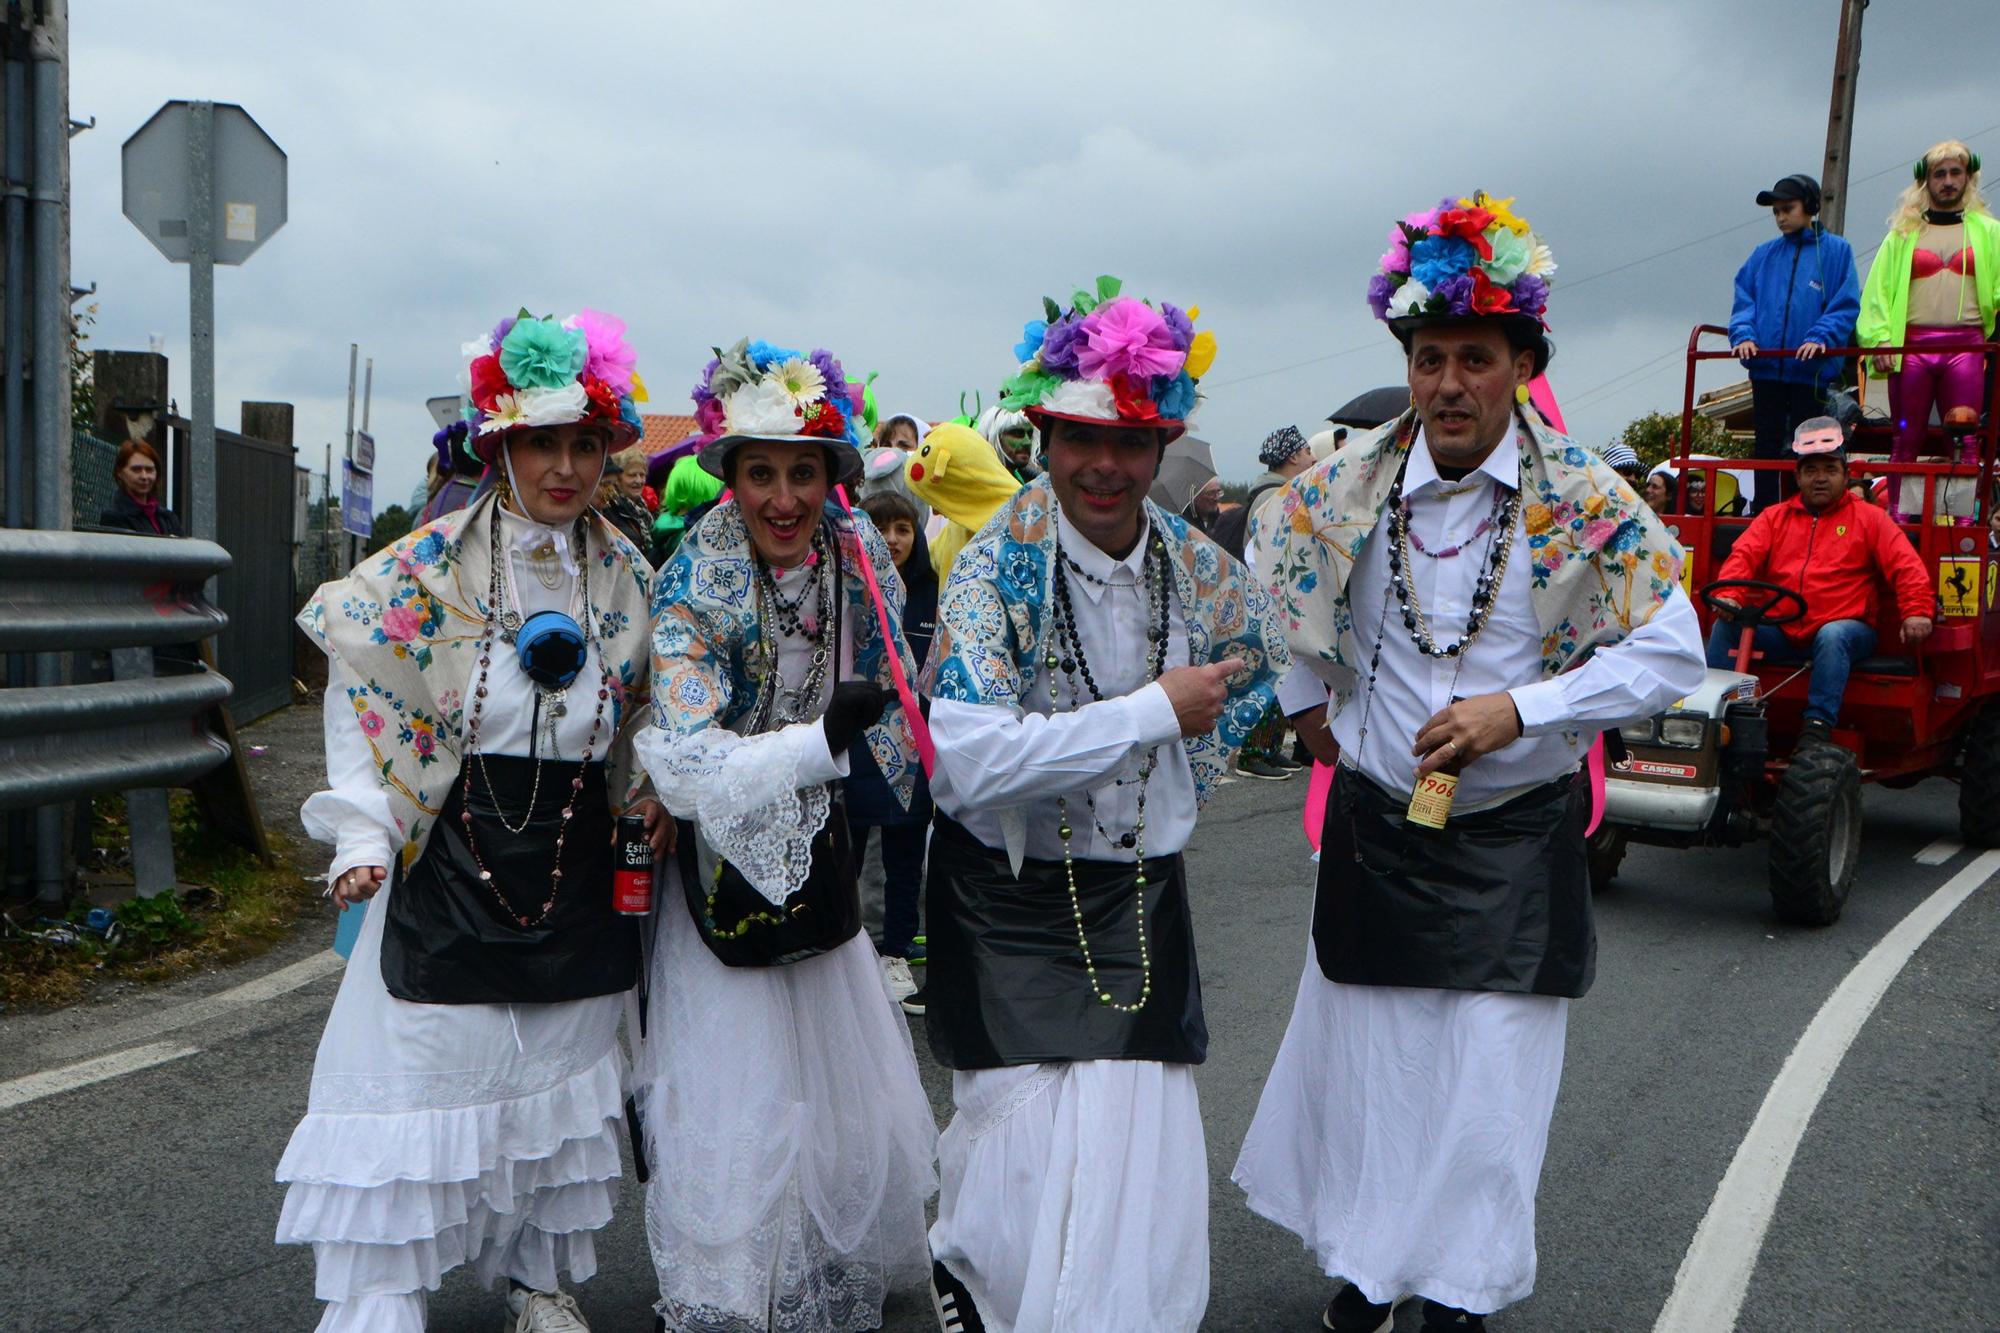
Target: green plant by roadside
<point>1657,435</point>
<point>238,908</point>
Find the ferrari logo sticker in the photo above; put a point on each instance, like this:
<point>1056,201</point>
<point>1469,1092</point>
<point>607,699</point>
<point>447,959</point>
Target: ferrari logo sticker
<point>1958,586</point>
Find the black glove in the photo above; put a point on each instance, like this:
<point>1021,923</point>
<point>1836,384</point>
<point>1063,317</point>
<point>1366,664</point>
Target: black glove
<point>856,706</point>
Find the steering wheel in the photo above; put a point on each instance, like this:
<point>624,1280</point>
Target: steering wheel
<point>1763,613</point>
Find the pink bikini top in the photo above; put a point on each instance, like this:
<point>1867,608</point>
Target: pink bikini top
<point>1928,263</point>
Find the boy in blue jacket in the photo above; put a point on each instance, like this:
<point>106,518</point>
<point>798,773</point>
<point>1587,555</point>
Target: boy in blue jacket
<point>1798,291</point>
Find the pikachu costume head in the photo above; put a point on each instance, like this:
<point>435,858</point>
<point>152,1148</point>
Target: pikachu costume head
<point>956,473</point>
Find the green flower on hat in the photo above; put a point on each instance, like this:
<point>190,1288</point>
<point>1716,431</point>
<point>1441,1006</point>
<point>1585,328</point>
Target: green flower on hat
<point>542,354</point>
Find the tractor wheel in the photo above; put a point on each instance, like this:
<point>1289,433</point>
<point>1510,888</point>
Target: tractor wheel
<point>1979,780</point>
<point>1605,850</point>
<point>1816,835</point>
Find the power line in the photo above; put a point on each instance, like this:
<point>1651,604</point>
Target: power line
<point>1370,345</point>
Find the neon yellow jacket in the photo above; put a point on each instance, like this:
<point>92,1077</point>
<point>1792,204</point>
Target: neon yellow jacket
<point>1885,299</point>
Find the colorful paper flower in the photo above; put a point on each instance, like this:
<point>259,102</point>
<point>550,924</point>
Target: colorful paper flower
<point>607,355</point>
<point>1531,295</point>
<point>1509,255</point>
<point>558,406</point>
<point>505,412</point>
<point>542,354</point>
<point>1131,399</point>
<point>764,355</point>
<point>1436,258</point>
<point>1061,347</point>
<point>1201,353</point>
<point>1175,396</point>
<point>763,408</point>
<point>488,382</point>
<point>1410,299</point>
<point>800,379</point>
<point>1032,335</point>
<point>1502,210</point>
<point>602,398</point>
<point>1081,398</point>
<point>1489,298</point>
<point>1543,262</point>
<point>1380,288</point>
<point>1468,224</point>
<point>708,415</point>
<point>1127,337</point>
<point>1179,323</point>
<point>1026,388</point>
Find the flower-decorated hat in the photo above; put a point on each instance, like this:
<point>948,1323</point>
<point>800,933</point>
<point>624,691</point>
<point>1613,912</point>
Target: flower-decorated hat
<point>755,391</point>
<point>532,372</point>
<point>1110,358</point>
<point>1465,259</point>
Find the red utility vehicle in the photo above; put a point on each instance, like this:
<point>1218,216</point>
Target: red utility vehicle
<point>1723,766</point>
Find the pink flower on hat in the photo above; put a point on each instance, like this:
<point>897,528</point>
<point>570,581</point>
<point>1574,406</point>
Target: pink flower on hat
<point>1127,337</point>
<point>610,358</point>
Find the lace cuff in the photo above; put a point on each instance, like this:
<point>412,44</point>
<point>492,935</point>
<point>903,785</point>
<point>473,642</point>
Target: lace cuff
<point>759,800</point>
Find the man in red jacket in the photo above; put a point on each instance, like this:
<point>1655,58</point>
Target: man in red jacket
<point>1834,549</point>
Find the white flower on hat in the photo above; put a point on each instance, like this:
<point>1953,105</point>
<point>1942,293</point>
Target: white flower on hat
<point>763,408</point>
<point>554,407</point>
<point>1082,398</point>
<point>1543,263</point>
<point>1408,299</point>
<point>800,379</point>
<point>506,411</point>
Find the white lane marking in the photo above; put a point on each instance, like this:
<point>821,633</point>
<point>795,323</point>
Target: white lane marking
<point>255,991</point>
<point>1939,852</point>
<point>33,1087</point>
<point>1708,1291</point>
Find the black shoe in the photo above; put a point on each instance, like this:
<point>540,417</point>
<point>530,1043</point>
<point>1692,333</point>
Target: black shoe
<point>1351,1312</point>
<point>1283,760</point>
<point>953,1303</point>
<point>1440,1318</point>
<point>914,1004</point>
<point>1250,766</point>
<point>1816,731</point>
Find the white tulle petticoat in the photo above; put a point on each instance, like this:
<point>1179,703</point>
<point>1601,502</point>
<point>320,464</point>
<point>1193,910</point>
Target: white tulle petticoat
<point>438,1135</point>
<point>791,1141</point>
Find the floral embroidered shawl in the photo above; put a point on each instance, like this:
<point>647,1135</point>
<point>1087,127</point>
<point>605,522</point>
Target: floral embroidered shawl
<point>406,626</point>
<point>705,634</point>
<point>1600,563</point>
<point>994,621</point>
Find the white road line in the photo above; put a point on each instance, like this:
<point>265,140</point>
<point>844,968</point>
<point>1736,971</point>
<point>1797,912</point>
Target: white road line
<point>255,991</point>
<point>1708,1290</point>
<point>33,1087</point>
<point>1939,852</point>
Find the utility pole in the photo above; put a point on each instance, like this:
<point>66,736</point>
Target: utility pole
<point>1840,118</point>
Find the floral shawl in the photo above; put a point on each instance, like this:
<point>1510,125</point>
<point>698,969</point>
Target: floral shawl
<point>994,621</point>
<point>705,639</point>
<point>406,625</point>
<point>1600,562</point>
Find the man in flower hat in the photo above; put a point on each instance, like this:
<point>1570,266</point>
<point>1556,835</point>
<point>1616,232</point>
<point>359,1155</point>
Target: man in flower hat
<point>1097,660</point>
<point>1483,596</point>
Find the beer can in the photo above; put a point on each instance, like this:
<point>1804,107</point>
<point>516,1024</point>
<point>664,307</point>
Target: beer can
<point>632,882</point>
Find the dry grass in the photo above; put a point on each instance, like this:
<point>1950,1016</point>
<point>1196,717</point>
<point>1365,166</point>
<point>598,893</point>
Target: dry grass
<point>242,908</point>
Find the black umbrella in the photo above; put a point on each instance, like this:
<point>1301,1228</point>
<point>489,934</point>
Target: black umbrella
<point>1371,409</point>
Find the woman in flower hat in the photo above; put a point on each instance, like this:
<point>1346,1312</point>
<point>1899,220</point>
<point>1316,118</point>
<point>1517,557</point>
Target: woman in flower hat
<point>485,677</point>
<point>791,1141</point>
<point>1483,596</point>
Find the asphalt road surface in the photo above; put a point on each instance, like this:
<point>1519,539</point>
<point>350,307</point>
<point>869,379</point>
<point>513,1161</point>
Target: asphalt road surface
<point>145,1200</point>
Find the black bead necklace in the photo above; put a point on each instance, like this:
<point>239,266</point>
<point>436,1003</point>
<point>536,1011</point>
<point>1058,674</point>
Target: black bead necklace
<point>496,618</point>
<point>790,615</point>
<point>1499,525</point>
<point>1066,654</point>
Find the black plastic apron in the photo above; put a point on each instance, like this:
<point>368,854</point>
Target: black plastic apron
<point>1497,900</point>
<point>447,941</point>
<point>1005,981</point>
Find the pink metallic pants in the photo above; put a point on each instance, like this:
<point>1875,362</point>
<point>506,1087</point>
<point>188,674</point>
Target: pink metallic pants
<point>1944,379</point>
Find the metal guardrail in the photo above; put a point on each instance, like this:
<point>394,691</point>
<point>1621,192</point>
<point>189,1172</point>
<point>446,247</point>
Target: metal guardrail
<point>64,591</point>
<point>61,591</point>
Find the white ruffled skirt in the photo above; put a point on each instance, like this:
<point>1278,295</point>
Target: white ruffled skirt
<point>1401,1136</point>
<point>439,1134</point>
<point>791,1141</point>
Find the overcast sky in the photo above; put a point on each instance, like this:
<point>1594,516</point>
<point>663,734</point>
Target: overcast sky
<point>902,183</point>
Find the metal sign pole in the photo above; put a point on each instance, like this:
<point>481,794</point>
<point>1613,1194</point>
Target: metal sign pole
<point>201,311</point>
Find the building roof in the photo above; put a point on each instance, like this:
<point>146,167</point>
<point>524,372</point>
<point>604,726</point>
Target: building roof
<point>664,430</point>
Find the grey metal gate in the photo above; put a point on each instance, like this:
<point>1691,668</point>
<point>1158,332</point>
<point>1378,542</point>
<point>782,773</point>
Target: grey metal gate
<point>256,492</point>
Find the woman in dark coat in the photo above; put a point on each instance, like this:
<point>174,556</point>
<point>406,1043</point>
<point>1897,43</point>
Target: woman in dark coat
<point>136,506</point>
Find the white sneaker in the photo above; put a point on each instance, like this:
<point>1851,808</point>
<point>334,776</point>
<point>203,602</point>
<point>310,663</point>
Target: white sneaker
<point>896,976</point>
<point>542,1312</point>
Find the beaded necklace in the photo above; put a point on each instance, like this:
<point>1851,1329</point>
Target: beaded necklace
<point>774,705</point>
<point>497,619</point>
<point>1072,663</point>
